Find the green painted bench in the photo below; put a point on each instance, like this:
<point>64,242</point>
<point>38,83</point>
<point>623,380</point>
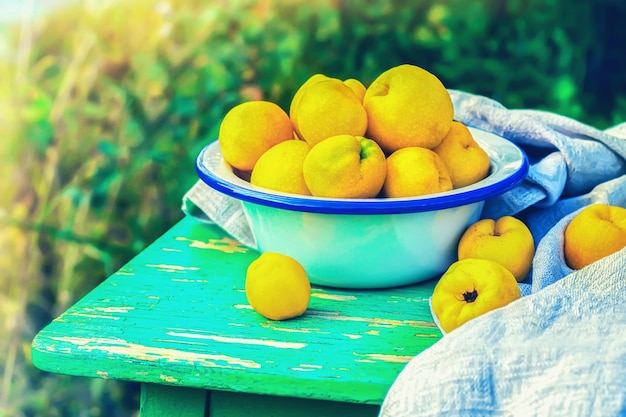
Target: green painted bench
<point>175,318</point>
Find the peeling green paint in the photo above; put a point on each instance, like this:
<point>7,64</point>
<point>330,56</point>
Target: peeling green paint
<point>177,315</point>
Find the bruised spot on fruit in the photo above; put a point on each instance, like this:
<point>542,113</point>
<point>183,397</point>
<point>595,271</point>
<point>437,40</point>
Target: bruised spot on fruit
<point>470,296</point>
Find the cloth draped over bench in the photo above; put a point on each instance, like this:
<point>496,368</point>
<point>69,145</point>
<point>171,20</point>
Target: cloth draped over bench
<point>560,350</point>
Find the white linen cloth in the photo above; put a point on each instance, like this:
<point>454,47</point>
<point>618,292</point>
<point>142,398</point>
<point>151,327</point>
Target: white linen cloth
<point>558,352</point>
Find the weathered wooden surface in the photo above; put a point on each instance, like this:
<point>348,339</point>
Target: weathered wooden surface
<point>177,315</point>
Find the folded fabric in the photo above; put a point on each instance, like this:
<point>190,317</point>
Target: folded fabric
<point>208,205</point>
<point>557,352</point>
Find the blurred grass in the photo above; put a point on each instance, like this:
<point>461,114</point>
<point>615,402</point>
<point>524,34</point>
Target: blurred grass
<point>103,107</point>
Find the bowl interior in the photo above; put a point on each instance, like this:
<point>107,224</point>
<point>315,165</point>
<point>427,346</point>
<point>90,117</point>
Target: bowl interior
<point>509,167</point>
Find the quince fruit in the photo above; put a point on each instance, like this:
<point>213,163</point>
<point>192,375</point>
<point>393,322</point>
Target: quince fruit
<point>324,107</point>
<point>277,286</point>
<point>407,106</point>
<point>467,162</point>
<point>506,240</point>
<point>357,87</point>
<point>345,166</point>
<point>470,288</point>
<point>251,128</point>
<point>414,171</point>
<point>280,168</point>
<point>597,231</point>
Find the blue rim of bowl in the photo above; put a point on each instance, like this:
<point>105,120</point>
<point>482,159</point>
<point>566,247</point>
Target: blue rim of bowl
<point>516,172</point>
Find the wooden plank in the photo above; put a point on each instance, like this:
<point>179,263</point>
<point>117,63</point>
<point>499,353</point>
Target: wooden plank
<point>168,401</point>
<point>177,314</point>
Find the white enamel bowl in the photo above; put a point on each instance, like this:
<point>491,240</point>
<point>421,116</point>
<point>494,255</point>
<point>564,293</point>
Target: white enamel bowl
<point>367,243</point>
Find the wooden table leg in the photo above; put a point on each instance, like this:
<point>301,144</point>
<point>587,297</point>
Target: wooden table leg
<point>170,401</point>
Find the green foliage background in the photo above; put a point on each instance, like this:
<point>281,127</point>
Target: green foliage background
<point>103,108</point>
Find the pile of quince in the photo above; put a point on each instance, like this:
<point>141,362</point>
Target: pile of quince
<point>395,138</point>
<point>494,255</point>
